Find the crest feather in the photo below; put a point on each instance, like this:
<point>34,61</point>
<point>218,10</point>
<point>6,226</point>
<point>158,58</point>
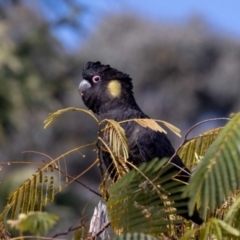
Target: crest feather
<point>106,71</point>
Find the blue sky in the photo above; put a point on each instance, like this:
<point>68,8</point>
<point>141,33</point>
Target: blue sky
<point>222,16</point>
<point>224,13</point>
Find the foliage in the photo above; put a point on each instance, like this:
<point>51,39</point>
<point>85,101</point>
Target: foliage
<point>134,236</point>
<point>35,222</point>
<point>195,148</point>
<point>217,175</point>
<point>42,187</point>
<point>218,149</point>
<point>144,198</point>
<point>34,193</point>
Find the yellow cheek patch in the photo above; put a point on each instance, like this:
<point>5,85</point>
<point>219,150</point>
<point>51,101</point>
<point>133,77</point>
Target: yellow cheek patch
<point>114,88</point>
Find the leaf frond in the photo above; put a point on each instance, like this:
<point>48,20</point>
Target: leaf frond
<point>146,199</point>
<point>35,222</point>
<point>171,127</point>
<point>53,116</point>
<point>134,236</point>
<point>120,166</point>
<point>218,174</point>
<point>38,190</point>
<point>232,212</point>
<point>193,151</point>
<point>152,124</point>
<point>116,138</point>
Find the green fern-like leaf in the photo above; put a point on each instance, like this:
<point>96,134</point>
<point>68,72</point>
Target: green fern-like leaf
<point>194,149</point>
<point>38,190</point>
<point>229,230</point>
<point>214,229</point>
<point>146,199</point>
<point>218,174</point>
<point>232,214</point>
<point>34,222</point>
<point>29,196</point>
<point>134,236</point>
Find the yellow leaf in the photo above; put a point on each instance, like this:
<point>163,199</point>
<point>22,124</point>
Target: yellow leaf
<point>150,123</point>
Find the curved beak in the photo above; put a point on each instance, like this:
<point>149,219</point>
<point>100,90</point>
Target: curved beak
<point>83,86</point>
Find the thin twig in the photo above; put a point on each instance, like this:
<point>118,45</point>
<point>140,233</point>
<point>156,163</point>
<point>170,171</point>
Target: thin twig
<point>101,230</point>
<point>70,229</point>
<point>185,140</point>
<point>91,190</point>
<point>32,237</point>
<point>76,180</point>
<point>204,121</point>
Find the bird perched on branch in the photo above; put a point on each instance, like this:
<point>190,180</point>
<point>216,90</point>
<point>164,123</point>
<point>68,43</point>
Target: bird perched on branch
<point>109,94</point>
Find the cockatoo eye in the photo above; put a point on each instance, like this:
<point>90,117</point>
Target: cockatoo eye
<point>96,79</point>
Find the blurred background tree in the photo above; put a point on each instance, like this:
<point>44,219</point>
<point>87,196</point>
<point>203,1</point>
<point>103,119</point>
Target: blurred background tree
<point>183,72</point>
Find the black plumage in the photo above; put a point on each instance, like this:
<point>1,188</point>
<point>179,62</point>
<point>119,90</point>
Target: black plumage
<point>108,93</point>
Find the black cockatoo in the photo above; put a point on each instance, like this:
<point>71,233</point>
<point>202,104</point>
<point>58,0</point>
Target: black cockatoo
<point>109,94</point>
